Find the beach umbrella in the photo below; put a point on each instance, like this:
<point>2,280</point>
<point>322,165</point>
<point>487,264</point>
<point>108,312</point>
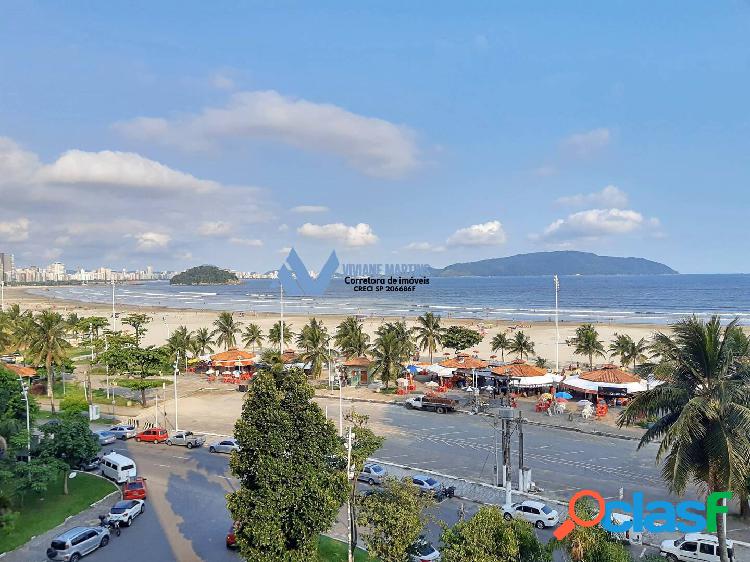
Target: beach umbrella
<point>412,369</point>
<point>431,384</point>
<point>566,395</point>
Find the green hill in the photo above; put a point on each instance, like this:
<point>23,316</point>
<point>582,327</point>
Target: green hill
<point>204,275</point>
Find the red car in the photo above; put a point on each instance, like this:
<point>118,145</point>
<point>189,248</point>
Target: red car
<point>231,539</point>
<point>134,489</point>
<point>153,435</point>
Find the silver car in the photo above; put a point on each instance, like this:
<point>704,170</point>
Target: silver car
<point>224,446</point>
<point>105,437</point>
<point>372,474</point>
<point>77,542</point>
<point>123,431</point>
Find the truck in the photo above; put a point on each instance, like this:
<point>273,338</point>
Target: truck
<point>186,439</point>
<point>434,403</point>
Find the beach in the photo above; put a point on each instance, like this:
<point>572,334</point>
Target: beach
<point>164,320</point>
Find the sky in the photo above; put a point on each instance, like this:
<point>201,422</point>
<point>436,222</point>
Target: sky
<point>174,134</point>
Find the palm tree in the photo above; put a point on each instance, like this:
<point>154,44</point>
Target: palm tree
<point>226,328</point>
<point>502,343</point>
<point>48,342</point>
<point>202,341</point>
<point>702,411</point>
<point>586,342</point>
<point>351,338</point>
<point>628,350</point>
<point>522,345</point>
<point>274,334</point>
<point>540,362</point>
<point>429,333</point>
<point>313,340</point>
<point>386,353</point>
<point>252,336</point>
<point>179,343</point>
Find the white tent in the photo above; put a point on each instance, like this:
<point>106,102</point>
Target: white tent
<point>582,385</point>
<point>440,371</point>
<point>547,379</point>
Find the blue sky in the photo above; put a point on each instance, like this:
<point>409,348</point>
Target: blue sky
<point>180,133</point>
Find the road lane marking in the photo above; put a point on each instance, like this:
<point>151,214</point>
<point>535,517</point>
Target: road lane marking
<point>164,465</point>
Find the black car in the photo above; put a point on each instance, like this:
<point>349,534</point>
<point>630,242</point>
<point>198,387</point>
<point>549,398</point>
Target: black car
<point>91,464</point>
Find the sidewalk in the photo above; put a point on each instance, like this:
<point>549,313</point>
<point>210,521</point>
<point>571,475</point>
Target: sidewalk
<point>37,546</point>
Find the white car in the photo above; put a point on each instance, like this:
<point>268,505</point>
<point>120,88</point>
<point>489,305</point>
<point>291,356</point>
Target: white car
<point>426,484</point>
<point>537,513</point>
<point>126,510</point>
<point>423,551</point>
<point>224,446</point>
<point>372,474</point>
<point>695,546</point>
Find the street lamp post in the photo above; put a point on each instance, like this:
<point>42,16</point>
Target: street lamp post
<point>557,329</point>
<point>25,393</point>
<point>176,368</point>
<point>114,318</point>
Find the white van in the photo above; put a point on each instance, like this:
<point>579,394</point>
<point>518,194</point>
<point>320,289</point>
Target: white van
<point>117,467</point>
<point>628,537</point>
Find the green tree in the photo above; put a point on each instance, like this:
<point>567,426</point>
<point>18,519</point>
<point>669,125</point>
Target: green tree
<point>90,325</point>
<point>289,492</point>
<point>392,349</point>
<point>429,333</point>
<point>487,537</point>
<point>144,363</point>
<point>540,362</point>
<point>702,411</point>
<point>500,343</point>
<point>521,345</point>
<point>72,444</point>
<point>394,519</point>
<point>13,406</point>
<point>591,544</point>
<point>252,336</point>
<point>138,322</point>
<point>628,350</point>
<point>351,338</point>
<point>274,334</point>
<point>47,343</point>
<point>179,343</point>
<point>459,338</point>
<point>313,340</point>
<point>226,330</point>
<point>201,342</point>
<point>586,342</point>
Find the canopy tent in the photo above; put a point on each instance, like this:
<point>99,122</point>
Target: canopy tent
<point>440,370</point>
<point>609,378</point>
<point>523,375</point>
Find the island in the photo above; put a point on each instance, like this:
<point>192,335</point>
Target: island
<point>204,275</point>
<point>560,263</point>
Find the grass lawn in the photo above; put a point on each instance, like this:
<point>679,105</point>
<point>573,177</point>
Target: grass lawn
<point>331,550</point>
<point>40,513</point>
<point>75,389</point>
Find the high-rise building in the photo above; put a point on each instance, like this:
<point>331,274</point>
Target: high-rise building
<point>56,271</point>
<point>7,267</point>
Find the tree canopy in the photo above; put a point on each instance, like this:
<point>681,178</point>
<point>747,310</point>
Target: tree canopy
<point>460,338</point>
<point>204,275</point>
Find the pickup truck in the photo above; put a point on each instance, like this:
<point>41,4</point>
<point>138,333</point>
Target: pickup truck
<point>186,439</point>
<point>435,403</point>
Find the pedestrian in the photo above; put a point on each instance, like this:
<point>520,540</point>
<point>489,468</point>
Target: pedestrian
<point>461,512</point>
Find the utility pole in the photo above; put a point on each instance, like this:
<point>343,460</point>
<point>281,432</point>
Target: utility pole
<point>114,317</point>
<point>341,406</point>
<point>91,340</point>
<point>522,484</point>
<point>25,393</point>
<point>508,480</point>
<point>106,348</point>
<point>557,329</point>
<point>176,368</point>
<point>497,451</point>
<point>156,407</point>
<point>349,501</point>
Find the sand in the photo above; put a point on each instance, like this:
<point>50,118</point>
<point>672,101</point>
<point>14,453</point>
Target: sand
<point>167,319</point>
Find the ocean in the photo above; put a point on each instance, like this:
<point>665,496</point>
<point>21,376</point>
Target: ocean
<point>651,299</point>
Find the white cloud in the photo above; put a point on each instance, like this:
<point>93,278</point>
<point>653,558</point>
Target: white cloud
<point>609,197</point>
<point>283,227</point>
<point>285,250</point>
<point>149,241</point>
<point>596,223</point>
<point>374,146</point>
<point>359,235</point>
<point>120,169</point>
<point>309,209</point>
<point>222,81</point>
<point>15,230</point>
<point>486,234</point>
<point>252,242</point>
<point>16,164</point>
<point>214,228</point>
<point>586,143</point>
<point>424,247</point>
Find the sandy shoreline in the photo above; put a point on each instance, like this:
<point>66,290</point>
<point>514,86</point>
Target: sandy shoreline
<point>542,333</point>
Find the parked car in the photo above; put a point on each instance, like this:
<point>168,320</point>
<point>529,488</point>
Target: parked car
<point>91,464</point>
<point>105,437</point>
<point>224,446</point>
<point>126,510</point>
<point>186,439</point>
<point>423,551</point>
<point>153,435</point>
<point>74,543</point>
<point>123,431</point>
<point>135,489</point>
<point>537,513</point>
<point>372,474</point>
<point>426,484</point>
<point>231,539</point>
<point>695,546</point>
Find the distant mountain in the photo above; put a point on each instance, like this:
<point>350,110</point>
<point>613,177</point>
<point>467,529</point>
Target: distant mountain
<point>550,263</point>
<point>204,275</point>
